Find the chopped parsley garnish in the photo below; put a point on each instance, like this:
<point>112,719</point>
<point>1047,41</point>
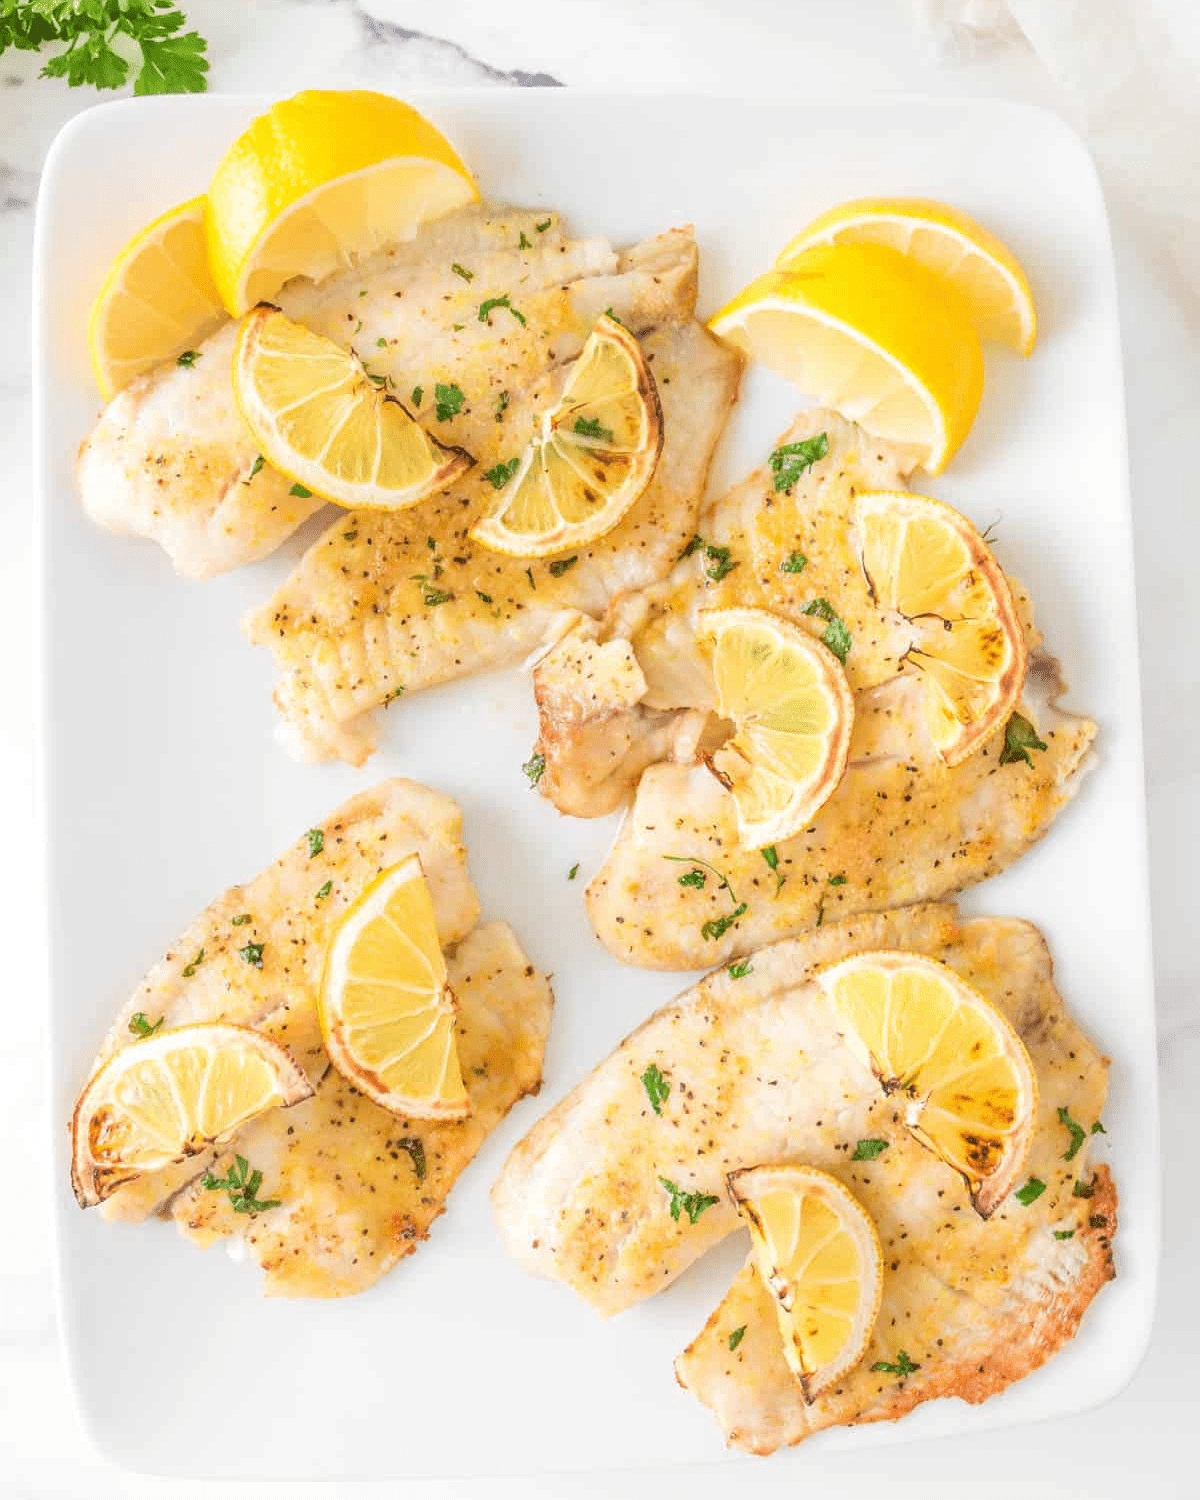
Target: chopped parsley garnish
<point>1064,1234</point>
<point>771,855</point>
<point>1098,1129</point>
<point>562,565</point>
<point>415,1147</point>
<point>252,953</point>
<point>1082,1189</point>
<point>242,1185</point>
<point>194,965</point>
<point>794,459</point>
<point>794,562</point>
<point>384,382</point>
<point>608,313</point>
<point>836,636</point>
<point>255,467</point>
<point>740,969</point>
<point>463,272</point>
<point>1078,1133</point>
<point>325,890</point>
<point>487,307</point>
<point>349,536</point>
<point>572,872</point>
<point>501,406</point>
<point>719,926</point>
<point>139,1024</point>
<point>695,878</point>
<point>736,1337</point>
<point>418,394</point>
<point>241,919</point>
<point>487,598</point>
<point>869,1149</point>
<point>188,358</point>
<point>433,597</point>
<point>719,559</point>
<point>300,492</point>
<point>837,880</point>
<point>396,692</point>
<point>902,1365</point>
<point>657,1088</point>
<point>1032,1191</point>
<point>543,226</point>
<point>590,427</point>
<point>499,475</point>
<point>1020,737</point>
<point>449,400</point>
<point>525,243</point>
<point>692,1204</point>
<point>381,343</point>
<point>316,842</point>
<point>534,768</point>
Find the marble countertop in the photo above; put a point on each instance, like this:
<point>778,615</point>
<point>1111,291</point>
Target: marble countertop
<point>868,47</point>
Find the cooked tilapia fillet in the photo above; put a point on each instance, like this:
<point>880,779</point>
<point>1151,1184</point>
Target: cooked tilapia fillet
<point>292,907</point>
<point>171,459</point>
<point>384,603</point>
<point>629,704</point>
<point>759,1074</point>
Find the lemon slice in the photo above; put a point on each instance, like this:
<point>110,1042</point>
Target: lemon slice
<point>387,1012</point>
<point>816,1249</point>
<point>592,459</point>
<point>968,1086</point>
<point>319,418</point>
<point>172,1095</point>
<point>158,300</point>
<point>793,712</point>
<point>983,270</point>
<point>926,562</point>
<point>872,335</point>
<point>321,181</point>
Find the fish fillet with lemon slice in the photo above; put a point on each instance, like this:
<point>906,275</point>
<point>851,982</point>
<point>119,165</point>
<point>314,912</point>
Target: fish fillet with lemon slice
<point>350,1186</point>
<point>754,1067</point>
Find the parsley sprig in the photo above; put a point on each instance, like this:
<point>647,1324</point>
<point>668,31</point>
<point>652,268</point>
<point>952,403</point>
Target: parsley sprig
<point>242,1185</point>
<point>692,1204</point>
<point>139,1024</point>
<point>1020,737</point>
<point>836,636</point>
<point>902,1365</point>
<point>794,459</point>
<point>94,36</point>
<point>716,927</point>
<point>656,1086</point>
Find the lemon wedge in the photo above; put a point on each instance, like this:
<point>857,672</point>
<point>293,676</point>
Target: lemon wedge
<point>926,563</point>
<point>968,1088</point>
<point>159,1100</point>
<point>982,270</point>
<point>793,712</point>
<point>320,419</point>
<point>321,181</point>
<point>872,335</point>
<point>387,1011</point>
<point>817,1251</point>
<point>592,458</point>
<point>158,300</point>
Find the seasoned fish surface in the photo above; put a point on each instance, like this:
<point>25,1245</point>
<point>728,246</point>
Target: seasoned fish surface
<point>758,1073</point>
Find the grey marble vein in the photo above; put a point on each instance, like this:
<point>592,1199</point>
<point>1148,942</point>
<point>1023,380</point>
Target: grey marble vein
<point>376,29</point>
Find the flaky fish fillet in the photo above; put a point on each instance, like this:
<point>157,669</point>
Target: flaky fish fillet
<point>171,458</point>
<point>283,920</point>
<point>757,1074</point>
<point>629,704</point>
<point>388,603</point>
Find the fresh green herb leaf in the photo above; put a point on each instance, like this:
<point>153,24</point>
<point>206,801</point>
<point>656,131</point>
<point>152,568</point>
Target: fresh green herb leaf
<point>837,880</point>
<point>691,859</point>
<point>139,1024</point>
<point>501,406</point>
<point>656,1086</point>
<point>168,62</point>
<point>363,292</point>
<point>562,565</point>
<point>324,890</point>
<point>1078,1133</point>
<point>255,468</point>
<point>358,328</point>
<point>902,1366</point>
<point>794,562</point>
<point>194,965</point>
<point>415,1147</point>
<point>720,562</point>
<point>418,394</point>
<point>535,768</point>
<point>771,855</point>
<point>381,343</point>
<point>501,473</point>
<point>1098,1129</point>
<point>608,313</point>
<point>692,1204</point>
<point>396,692</point>
<point>1083,1189</point>
<point>1032,1190</point>
<point>740,969</point>
<point>349,536</point>
<point>432,597</point>
<point>869,1149</point>
<point>794,459</point>
<point>241,919</point>
<point>590,427</point>
<point>187,360</point>
<point>242,1185</point>
<point>525,243</point>
<point>719,926</point>
<point>252,953</point>
<point>543,226</point>
<point>1020,737</point>
<point>463,272</point>
<point>449,400</point>
<point>316,842</point>
<point>836,636</point>
<point>1064,1234</point>
<point>572,872</point>
<point>300,492</point>
<point>693,546</point>
<point>736,1337</point>
<point>487,598</point>
<point>488,306</point>
<point>694,878</point>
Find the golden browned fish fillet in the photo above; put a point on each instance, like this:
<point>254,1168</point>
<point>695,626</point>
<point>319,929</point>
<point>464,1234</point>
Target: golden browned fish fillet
<point>629,704</point>
<point>287,913</point>
<point>384,604</point>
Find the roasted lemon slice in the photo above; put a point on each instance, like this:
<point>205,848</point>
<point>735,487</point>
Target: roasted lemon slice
<point>980,268</point>
<point>319,418</point>
<point>926,562</point>
<point>387,1012</point>
<point>818,1253</point>
<point>871,334</point>
<point>320,181</point>
<point>592,458</point>
<point>964,1075</point>
<point>167,1097</point>
<point>158,300</point>
<point>793,712</point>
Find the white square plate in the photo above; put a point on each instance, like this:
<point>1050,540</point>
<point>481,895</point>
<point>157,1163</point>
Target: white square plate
<point>163,786</point>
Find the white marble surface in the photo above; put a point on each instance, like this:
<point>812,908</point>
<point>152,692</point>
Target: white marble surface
<point>837,47</point>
